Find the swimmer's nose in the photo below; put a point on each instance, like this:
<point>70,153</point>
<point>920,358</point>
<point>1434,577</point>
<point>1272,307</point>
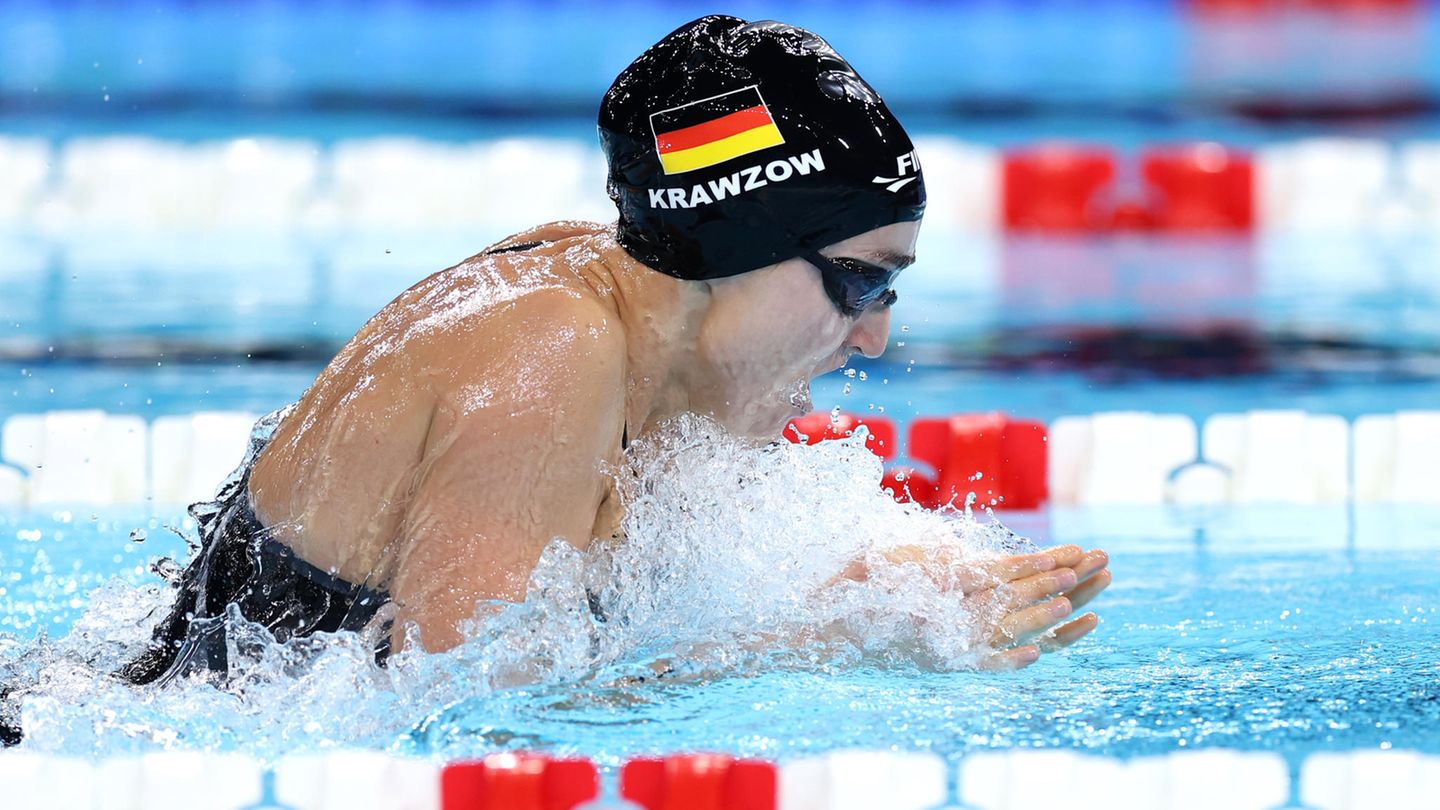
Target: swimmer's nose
<point>871,332</point>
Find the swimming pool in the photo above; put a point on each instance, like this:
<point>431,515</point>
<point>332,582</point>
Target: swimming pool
<point>1257,631</point>
<point>1290,624</point>
<point>1293,630</point>
<point>1259,628</point>
<point>1246,642</point>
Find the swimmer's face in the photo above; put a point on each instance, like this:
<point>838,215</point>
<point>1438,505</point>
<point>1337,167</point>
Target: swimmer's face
<point>769,332</point>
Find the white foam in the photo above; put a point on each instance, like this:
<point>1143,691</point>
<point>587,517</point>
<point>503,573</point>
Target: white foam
<point>728,565</point>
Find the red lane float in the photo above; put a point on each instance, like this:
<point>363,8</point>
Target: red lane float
<point>1068,189</point>
<point>813,428</point>
<point>1057,188</point>
<point>518,782</point>
<point>999,459</point>
<point>700,782</point>
<point>1199,187</point>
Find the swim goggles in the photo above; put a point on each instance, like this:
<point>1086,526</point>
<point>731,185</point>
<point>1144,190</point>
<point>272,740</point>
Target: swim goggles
<point>854,285</point>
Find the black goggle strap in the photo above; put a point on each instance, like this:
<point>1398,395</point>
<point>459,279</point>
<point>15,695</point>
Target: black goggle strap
<point>852,284</point>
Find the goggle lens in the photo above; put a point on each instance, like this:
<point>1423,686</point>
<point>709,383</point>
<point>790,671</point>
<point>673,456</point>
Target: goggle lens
<point>854,285</point>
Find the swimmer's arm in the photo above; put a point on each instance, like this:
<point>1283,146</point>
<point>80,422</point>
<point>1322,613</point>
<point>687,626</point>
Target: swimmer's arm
<point>517,464</point>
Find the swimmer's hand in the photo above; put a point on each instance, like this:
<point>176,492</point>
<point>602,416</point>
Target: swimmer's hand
<point>1029,594</point>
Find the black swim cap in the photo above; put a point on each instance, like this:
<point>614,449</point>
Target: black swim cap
<point>736,145</point>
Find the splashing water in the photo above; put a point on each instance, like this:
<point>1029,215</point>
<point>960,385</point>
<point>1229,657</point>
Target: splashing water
<point>729,565</point>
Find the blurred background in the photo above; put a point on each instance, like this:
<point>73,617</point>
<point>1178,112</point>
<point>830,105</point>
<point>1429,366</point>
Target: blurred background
<point>1180,205</point>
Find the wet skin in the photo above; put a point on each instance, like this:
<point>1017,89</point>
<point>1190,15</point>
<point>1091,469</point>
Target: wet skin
<point>470,421</point>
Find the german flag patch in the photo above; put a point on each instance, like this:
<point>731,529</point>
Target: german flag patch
<point>713,130</point>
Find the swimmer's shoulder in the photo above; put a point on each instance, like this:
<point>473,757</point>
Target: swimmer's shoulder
<point>479,314</point>
<point>556,271</point>
<point>551,354</point>
<point>560,319</point>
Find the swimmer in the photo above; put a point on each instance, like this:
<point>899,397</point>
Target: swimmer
<point>767,202</point>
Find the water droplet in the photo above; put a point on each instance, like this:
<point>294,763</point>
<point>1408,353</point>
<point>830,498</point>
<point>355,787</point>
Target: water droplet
<point>905,328</point>
<point>139,535</point>
<point>850,372</point>
<point>863,376</point>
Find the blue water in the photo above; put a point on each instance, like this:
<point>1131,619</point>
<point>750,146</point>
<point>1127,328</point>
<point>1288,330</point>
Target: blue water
<point>1296,632</point>
<point>1290,630</point>
<point>1284,632</point>
<point>1202,643</point>
<point>1293,653</point>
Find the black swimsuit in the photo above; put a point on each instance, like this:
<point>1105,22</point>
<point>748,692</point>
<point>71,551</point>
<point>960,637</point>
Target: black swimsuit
<point>239,562</point>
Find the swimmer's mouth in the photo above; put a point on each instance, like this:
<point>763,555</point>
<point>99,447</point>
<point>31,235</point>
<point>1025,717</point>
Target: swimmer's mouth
<point>835,365</point>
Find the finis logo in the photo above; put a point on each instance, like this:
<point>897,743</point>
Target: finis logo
<point>713,130</point>
<point>907,168</point>
<point>738,182</point>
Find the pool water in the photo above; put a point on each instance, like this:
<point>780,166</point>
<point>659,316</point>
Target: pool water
<point>1237,644</point>
<point>1257,631</point>
<point>1295,631</point>
<point>1295,653</point>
